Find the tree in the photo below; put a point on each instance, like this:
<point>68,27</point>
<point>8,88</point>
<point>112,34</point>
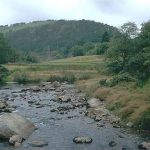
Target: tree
<point>105,37</point>
<point>144,51</point>
<point>129,29</point>
<point>77,50</point>
<point>119,50</point>
<point>101,48</point>
<point>130,52</point>
<point>121,46</point>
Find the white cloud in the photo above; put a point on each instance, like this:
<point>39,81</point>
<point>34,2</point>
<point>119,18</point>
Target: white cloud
<point>113,12</point>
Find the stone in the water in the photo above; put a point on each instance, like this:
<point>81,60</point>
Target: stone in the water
<point>144,146</point>
<point>35,89</point>
<point>64,98</point>
<point>15,139</point>
<point>17,145</point>
<point>38,143</point>
<point>116,126</point>
<point>77,104</point>
<point>112,143</point>
<point>130,124</point>
<point>78,140</point>
<point>53,110</point>
<point>3,104</point>
<point>100,125</point>
<point>14,124</point>
<point>56,84</point>
<point>31,101</point>
<point>98,119</point>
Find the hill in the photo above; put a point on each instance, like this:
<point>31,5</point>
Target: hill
<point>51,36</point>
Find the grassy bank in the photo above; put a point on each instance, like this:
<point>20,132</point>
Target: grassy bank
<point>126,99</point>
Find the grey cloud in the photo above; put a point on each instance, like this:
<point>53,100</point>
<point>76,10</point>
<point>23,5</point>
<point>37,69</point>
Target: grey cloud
<point>113,12</point>
<point>111,6</point>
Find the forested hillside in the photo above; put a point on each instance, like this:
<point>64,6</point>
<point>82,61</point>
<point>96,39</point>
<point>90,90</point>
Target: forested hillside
<point>7,54</point>
<point>55,37</point>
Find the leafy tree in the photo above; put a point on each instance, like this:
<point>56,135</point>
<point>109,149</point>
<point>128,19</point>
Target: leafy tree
<point>129,29</point>
<point>121,46</point>
<point>77,51</point>
<point>144,52</point>
<point>130,52</point>
<point>105,37</point>
<point>119,50</point>
<point>101,48</point>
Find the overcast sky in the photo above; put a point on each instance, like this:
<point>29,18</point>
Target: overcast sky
<point>112,12</point>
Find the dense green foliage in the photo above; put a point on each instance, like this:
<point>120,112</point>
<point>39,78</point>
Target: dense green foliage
<point>130,52</point>
<point>7,54</point>
<point>3,73</point>
<point>144,121</point>
<point>57,38</point>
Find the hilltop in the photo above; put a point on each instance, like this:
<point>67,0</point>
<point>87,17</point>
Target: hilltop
<point>55,37</point>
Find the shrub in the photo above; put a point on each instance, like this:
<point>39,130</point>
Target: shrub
<point>114,67</point>
<point>84,76</point>
<point>115,106</point>
<point>24,78</point>
<point>144,121</point>
<point>103,82</point>
<point>119,78</point>
<point>21,78</point>
<point>69,77</point>
<point>116,79</point>
<point>127,113</point>
<point>3,73</point>
<point>102,93</point>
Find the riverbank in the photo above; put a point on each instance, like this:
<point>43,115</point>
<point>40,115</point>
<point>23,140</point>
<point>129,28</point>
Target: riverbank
<point>61,112</point>
<point>126,100</point>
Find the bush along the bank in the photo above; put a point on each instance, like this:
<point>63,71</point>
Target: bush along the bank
<point>3,74</point>
<point>24,78</point>
<point>144,121</point>
<point>116,79</point>
<point>69,77</point>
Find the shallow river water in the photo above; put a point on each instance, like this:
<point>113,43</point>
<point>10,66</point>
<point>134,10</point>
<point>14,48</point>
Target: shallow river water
<point>60,129</point>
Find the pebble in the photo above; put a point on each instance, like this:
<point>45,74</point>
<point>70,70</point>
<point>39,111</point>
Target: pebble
<point>38,143</point>
<point>83,139</point>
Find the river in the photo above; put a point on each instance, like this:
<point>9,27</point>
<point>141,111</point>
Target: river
<point>59,127</point>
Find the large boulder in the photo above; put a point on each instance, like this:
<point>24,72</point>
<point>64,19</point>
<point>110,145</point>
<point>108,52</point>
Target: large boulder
<point>144,146</point>
<point>94,102</point>
<point>13,124</point>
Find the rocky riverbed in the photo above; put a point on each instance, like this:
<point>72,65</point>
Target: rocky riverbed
<point>65,120</point>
